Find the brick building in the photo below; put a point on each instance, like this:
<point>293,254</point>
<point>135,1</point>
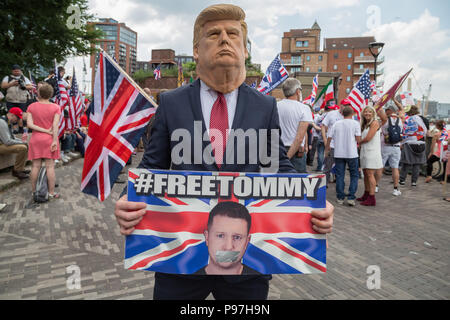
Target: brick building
<point>351,56</point>
<point>300,50</point>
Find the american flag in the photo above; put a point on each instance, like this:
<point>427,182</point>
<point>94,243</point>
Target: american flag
<point>33,82</point>
<point>360,93</point>
<point>275,75</point>
<point>119,115</point>
<point>75,104</point>
<point>170,237</point>
<point>61,99</point>
<point>157,72</point>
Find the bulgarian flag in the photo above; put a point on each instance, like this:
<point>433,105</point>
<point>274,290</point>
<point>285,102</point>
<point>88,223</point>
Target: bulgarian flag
<point>391,92</point>
<point>325,95</point>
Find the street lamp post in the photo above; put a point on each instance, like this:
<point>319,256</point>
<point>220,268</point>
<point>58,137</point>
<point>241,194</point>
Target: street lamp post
<point>375,49</point>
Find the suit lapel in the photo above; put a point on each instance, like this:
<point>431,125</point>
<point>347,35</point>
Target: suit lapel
<point>240,107</point>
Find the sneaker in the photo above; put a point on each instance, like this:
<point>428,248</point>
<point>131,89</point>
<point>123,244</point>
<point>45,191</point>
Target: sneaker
<point>64,159</point>
<point>351,203</point>
<point>376,189</point>
<point>401,182</point>
<point>397,192</point>
<point>413,184</point>
<point>2,206</point>
<point>340,201</point>
<point>72,155</point>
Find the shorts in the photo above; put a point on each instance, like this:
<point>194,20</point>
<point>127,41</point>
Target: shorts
<point>391,154</point>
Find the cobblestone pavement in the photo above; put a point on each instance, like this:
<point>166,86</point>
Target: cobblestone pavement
<point>406,237</point>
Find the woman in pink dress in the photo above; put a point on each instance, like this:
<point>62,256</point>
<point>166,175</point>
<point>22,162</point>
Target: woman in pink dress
<point>43,119</point>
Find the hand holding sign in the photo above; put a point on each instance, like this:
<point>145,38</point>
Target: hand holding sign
<point>179,233</point>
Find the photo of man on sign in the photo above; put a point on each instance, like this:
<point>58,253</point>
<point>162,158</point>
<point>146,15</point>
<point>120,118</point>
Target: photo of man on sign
<point>227,237</point>
<point>207,223</point>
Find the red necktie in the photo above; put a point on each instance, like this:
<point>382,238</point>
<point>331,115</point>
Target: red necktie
<point>218,125</point>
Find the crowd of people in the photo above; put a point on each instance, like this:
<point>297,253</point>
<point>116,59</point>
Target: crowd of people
<point>30,128</point>
<point>392,138</point>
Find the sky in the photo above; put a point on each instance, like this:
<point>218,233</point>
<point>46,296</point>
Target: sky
<point>416,33</point>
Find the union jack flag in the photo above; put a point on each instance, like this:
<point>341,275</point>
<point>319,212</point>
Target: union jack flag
<point>315,86</point>
<point>360,94</point>
<point>119,115</point>
<point>157,72</point>
<point>170,237</point>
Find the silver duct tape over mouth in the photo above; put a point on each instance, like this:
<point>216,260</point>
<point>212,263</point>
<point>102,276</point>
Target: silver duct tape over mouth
<point>227,256</point>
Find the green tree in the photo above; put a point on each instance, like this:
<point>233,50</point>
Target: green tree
<point>37,33</point>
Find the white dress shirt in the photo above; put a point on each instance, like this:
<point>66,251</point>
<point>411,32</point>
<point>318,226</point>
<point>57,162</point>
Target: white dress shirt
<point>208,97</point>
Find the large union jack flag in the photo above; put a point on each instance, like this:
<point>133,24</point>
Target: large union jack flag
<point>119,115</point>
<point>170,237</point>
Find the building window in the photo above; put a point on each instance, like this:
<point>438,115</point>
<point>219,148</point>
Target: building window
<point>335,55</point>
<point>348,79</point>
<point>349,67</point>
<point>347,90</point>
<point>320,69</point>
<point>349,55</point>
<point>361,66</point>
<point>307,69</point>
<point>299,44</point>
<point>296,69</point>
<point>320,58</point>
<point>296,60</point>
<point>361,54</point>
<point>305,43</point>
<point>308,58</point>
<point>335,67</point>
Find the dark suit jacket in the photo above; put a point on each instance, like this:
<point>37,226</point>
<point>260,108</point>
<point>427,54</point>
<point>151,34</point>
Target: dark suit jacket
<point>179,109</point>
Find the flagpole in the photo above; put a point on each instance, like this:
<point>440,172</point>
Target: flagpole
<point>405,77</point>
<point>129,78</point>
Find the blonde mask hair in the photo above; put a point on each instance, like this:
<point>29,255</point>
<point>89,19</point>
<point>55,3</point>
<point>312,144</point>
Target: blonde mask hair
<point>219,12</point>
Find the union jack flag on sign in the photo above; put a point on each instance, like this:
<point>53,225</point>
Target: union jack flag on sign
<point>171,236</point>
<point>119,115</point>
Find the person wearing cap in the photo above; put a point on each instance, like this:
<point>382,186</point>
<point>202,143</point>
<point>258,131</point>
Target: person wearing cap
<point>17,88</point>
<point>11,145</point>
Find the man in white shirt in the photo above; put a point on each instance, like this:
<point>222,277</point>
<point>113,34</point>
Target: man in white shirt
<point>294,120</point>
<point>346,134</point>
<point>17,95</point>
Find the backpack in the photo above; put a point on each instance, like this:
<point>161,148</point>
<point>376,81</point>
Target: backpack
<point>41,194</point>
<point>394,132</point>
